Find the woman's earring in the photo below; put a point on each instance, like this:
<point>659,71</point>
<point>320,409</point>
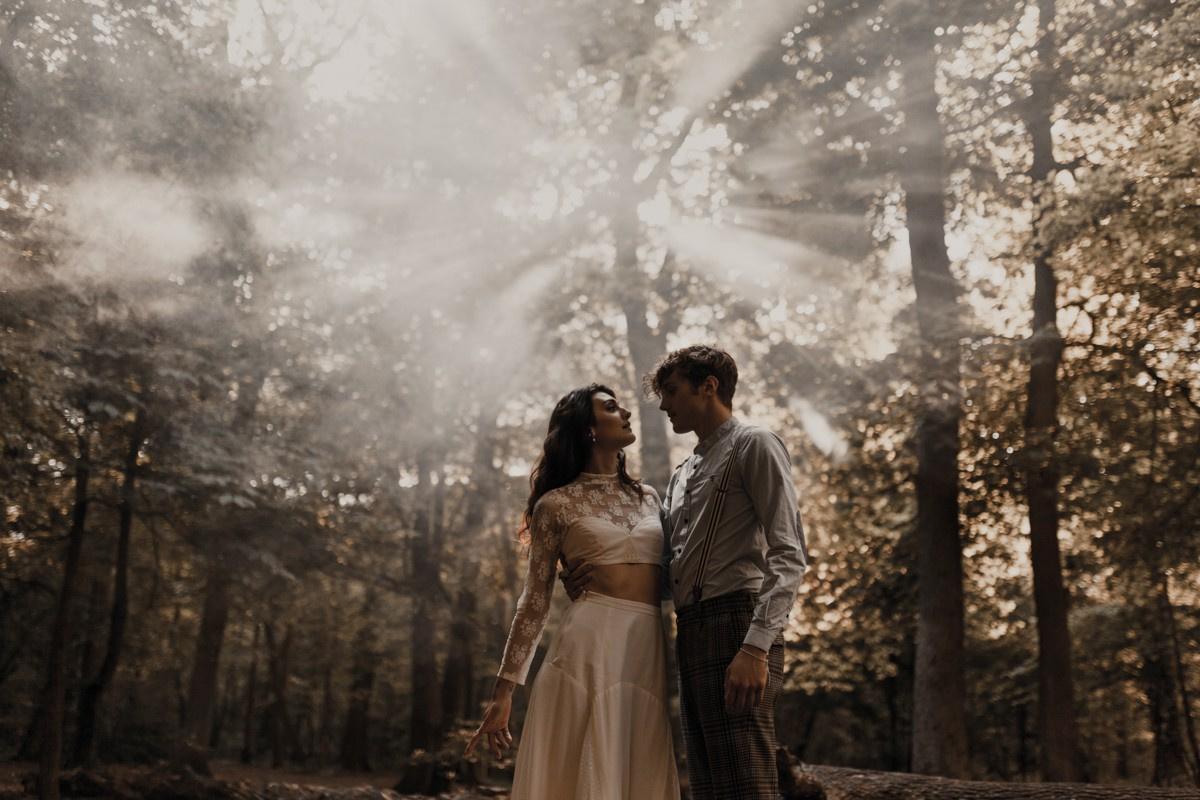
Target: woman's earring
<point>592,437</point>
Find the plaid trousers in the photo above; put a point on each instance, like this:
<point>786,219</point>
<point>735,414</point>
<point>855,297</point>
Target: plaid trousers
<point>729,756</point>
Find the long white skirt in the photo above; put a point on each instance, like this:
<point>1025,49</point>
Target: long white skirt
<point>597,725</point>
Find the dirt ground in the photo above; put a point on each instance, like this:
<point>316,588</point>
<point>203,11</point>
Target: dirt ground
<point>12,773</point>
<point>261,776</point>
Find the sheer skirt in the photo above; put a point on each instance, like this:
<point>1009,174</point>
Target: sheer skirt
<point>597,727</point>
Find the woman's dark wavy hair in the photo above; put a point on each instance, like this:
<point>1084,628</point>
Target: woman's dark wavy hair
<point>567,448</point>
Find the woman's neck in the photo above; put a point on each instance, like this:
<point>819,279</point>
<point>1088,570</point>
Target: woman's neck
<point>602,462</point>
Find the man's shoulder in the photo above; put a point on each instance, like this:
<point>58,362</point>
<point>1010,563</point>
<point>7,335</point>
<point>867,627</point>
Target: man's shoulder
<point>748,435</point>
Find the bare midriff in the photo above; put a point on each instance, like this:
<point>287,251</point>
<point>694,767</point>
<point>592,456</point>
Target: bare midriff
<point>639,582</point>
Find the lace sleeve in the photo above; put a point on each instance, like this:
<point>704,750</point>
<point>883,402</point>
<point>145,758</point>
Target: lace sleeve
<point>546,534</point>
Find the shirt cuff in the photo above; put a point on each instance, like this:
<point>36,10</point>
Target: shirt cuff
<point>760,638</point>
<point>511,676</point>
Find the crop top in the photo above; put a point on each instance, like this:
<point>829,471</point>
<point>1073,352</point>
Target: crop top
<point>593,518</point>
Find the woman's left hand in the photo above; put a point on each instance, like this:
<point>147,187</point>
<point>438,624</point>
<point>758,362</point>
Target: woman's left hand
<point>494,726</point>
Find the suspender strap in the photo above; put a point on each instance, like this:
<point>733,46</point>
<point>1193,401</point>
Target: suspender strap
<point>713,520</point>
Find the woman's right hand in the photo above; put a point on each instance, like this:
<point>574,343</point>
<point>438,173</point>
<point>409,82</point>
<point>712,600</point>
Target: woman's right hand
<point>495,724</point>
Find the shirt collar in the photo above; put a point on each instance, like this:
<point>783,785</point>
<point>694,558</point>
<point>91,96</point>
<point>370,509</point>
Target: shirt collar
<point>598,476</point>
<point>720,433</point>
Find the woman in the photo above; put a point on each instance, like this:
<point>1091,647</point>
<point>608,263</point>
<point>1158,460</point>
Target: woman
<point>597,725</point>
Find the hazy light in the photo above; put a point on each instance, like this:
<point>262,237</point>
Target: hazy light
<point>819,430</point>
<point>129,226</point>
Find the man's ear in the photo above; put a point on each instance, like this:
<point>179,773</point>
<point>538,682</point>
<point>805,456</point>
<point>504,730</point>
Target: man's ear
<point>712,383</point>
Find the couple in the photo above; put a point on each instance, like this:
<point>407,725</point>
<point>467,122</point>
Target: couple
<point>725,543</point>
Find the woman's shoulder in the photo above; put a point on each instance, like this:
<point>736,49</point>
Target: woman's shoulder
<point>558,501</point>
<point>552,501</point>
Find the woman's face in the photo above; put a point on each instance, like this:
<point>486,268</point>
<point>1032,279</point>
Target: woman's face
<point>611,427</point>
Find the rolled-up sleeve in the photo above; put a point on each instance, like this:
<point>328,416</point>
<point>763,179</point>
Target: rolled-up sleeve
<point>767,481</point>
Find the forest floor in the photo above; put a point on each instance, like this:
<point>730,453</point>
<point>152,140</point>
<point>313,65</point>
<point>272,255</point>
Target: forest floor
<point>234,781</point>
<point>255,781</point>
<point>261,776</point>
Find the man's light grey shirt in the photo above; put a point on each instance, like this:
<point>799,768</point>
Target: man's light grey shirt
<point>758,544</point>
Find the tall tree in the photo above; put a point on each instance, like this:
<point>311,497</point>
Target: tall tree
<point>939,692</point>
<point>54,695</point>
<point>428,592</point>
<point>458,681</point>
<point>355,752</point>
<point>202,686</point>
<point>1058,735</point>
<point>283,734</point>
<point>93,692</point>
<point>248,704</point>
<point>633,286</point>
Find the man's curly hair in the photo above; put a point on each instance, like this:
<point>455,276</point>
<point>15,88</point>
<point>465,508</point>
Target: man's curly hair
<point>696,363</point>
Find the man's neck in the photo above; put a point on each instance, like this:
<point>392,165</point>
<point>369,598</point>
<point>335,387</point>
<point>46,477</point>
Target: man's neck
<point>719,416</point>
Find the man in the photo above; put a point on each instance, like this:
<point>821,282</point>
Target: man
<point>735,557</point>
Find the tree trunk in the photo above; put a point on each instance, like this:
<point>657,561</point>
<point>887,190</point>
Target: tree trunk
<point>31,740</point>
<point>305,737</point>
<point>324,748</point>
<point>891,693</point>
<point>93,693</point>
<point>426,720</point>
<point>206,662</point>
<point>247,754</point>
<point>1159,681</point>
<point>226,708</point>
<point>1123,742</point>
<point>458,679</point>
<point>356,741</point>
<point>458,682</point>
<point>54,694</point>
<point>1058,735</point>
<point>1185,701</point>
<point>282,733</point>
<point>1022,747</point>
<point>645,344</point>
<point>94,613</point>
<point>939,691</point>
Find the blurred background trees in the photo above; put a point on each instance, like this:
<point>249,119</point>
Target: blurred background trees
<point>289,289</point>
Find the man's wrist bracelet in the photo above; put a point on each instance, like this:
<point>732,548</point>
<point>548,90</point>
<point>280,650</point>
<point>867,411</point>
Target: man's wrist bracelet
<point>753,655</point>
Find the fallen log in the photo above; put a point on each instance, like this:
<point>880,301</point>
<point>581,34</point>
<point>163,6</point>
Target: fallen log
<point>842,783</point>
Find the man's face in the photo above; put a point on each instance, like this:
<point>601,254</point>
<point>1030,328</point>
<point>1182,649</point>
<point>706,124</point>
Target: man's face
<point>684,404</point>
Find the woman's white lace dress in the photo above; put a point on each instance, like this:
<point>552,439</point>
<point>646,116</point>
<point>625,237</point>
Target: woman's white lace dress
<point>597,727</point>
